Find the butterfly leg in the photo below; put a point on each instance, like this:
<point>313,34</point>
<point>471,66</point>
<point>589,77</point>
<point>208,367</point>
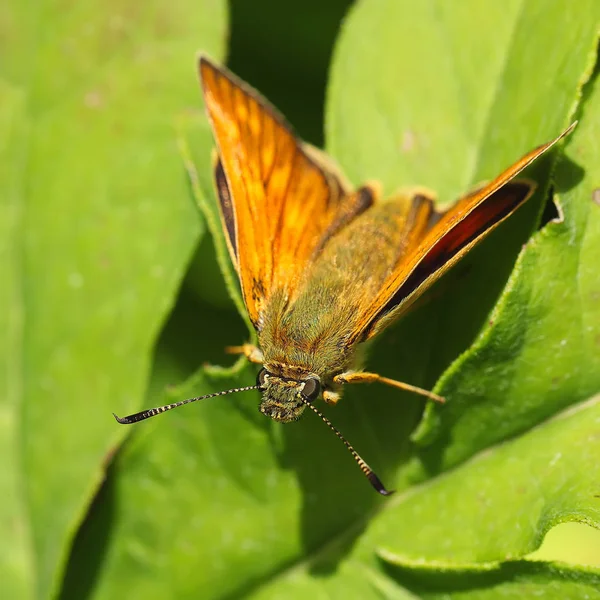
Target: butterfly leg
<point>362,377</point>
<point>331,397</point>
<point>250,351</point>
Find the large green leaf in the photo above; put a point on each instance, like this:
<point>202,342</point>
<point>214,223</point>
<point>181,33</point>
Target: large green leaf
<point>97,228</point>
<point>513,580</point>
<point>518,490</point>
<point>462,533</point>
<point>213,500</point>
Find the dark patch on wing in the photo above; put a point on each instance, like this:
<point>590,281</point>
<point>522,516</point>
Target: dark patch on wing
<point>258,291</point>
<point>226,204</point>
<point>474,225</point>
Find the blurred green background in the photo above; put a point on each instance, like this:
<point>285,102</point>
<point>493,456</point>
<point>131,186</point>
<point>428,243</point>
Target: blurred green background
<point>113,297</point>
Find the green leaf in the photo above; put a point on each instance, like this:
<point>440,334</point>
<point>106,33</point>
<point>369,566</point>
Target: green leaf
<point>518,491</point>
<point>460,533</point>
<point>510,580</point>
<point>214,500</point>
<point>97,228</point>
<point>483,76</point>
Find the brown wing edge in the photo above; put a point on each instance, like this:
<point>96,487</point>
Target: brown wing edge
<point>442,254</point>
<point>226,207</point>
<point>460,237</point>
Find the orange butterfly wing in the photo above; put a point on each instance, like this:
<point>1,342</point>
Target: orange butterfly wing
<point>278,199</point>
<point>456,231</point>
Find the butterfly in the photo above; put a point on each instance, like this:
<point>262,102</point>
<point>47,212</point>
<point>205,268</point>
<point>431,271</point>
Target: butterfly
<point>323,267</point>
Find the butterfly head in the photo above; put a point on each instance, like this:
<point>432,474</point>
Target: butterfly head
<point>284,399</point>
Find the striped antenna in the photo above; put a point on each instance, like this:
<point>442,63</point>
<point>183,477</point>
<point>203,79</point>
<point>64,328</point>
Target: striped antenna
<point>152,412</point>
<point>364,467</point>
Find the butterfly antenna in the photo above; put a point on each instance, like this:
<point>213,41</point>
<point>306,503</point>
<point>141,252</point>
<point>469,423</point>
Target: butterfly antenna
<point>152,412</point>
<point>364,467</point>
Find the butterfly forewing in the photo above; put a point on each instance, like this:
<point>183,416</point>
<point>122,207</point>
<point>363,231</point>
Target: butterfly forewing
<point>277,202</point>
<point>454,233</point>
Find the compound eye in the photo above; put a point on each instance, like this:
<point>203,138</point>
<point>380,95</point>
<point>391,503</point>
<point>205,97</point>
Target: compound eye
<point>261,378</point>
<point>311,389</point>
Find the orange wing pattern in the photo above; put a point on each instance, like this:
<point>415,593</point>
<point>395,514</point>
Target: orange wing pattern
<point>277,198</point>
<point>456,231</point>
